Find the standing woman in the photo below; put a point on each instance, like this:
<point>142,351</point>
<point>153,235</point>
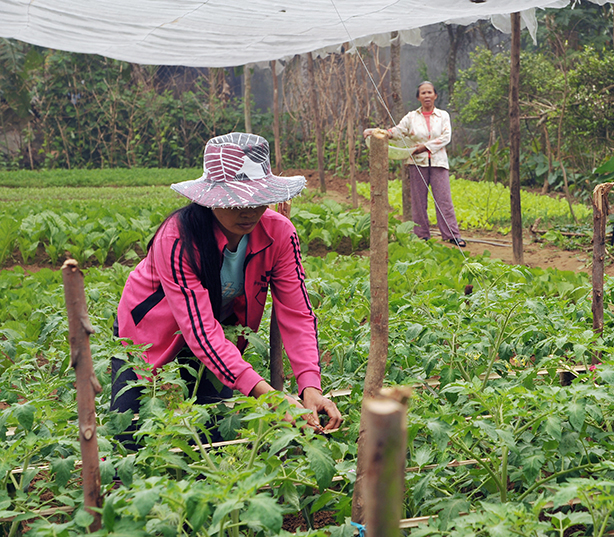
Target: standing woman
<point>427,131</point>
<point>210,264</point>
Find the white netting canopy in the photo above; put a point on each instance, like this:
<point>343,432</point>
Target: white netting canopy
<point>223,33</point>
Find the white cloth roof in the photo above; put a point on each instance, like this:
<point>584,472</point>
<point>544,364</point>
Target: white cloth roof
<point>223,33</point>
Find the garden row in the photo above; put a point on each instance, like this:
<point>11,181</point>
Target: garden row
<point>98,226</point>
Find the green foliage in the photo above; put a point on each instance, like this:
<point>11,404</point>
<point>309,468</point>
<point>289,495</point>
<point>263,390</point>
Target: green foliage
<point>532,439</point>
<point>481,93</point>
<point>486,205</point>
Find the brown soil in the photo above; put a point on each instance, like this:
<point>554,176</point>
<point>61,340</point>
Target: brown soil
<point>292,523</point>
<point>535,254</point>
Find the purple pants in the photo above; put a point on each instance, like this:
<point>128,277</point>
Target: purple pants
<point>420,177</point>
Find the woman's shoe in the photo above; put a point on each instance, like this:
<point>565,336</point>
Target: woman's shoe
<point>458,241</point>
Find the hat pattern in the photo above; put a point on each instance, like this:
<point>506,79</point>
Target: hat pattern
<point>237,173</point>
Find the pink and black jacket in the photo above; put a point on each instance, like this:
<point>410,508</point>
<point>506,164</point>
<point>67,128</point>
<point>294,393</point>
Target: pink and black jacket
<point>165,305</point>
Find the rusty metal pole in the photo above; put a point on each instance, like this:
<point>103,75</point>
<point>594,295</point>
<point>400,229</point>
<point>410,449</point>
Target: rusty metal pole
<point>79,330</point>
<point>378,351</point>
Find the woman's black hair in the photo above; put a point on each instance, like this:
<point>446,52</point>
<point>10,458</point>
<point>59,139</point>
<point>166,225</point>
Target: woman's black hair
<point>422,84</point>
<point>199,246</point>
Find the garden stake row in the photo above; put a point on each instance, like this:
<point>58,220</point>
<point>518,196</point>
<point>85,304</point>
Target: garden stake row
<point>79,330</point>
<point>378,350</point>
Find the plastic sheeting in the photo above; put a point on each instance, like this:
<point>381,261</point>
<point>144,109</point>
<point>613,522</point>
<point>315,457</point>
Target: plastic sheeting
<point>223,33</point>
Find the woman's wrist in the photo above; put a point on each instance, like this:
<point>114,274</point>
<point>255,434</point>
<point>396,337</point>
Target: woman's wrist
<point>261,388</point>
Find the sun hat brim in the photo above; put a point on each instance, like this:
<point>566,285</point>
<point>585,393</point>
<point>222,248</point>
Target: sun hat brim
<point>241,193</point>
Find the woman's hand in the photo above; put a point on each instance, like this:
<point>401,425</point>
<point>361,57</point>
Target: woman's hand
<point>316,402</point>
<point>420,148</point>
<point>312,400</point>
<point>368,132</point>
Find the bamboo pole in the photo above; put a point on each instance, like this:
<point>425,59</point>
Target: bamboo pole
<point>276,129</point>
<point>79,330</point>
<point>276,356</point>
<point>385,454</point>
<point>316,119</point>
<point>378,352</point>
<point>517,248</point>
<point>600,217</point>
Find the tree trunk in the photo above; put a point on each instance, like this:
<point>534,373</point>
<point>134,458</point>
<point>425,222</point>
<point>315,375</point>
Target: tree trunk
<point>385,454</point>
<point>316,120</point>
<point>455,34</point>
<point>349,95</point>
<point>517,248</point>
<point>396,88</point>
<point>378,352</point>
<point>276,134</point>
<point>79,330</point>
<point>247,97</point>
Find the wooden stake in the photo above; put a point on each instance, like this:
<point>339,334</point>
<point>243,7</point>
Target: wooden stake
<point>79,330</point>
<point>600,218</point>
<point>517,248</point>
<point>316,119</point>
<point>378,352</point>
<point>276,353</point>
<point>385,453</point>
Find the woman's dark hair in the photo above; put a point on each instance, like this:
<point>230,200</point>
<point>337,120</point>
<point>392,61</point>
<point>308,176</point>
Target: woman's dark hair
<point>422,84</point>
<point>196,228</point>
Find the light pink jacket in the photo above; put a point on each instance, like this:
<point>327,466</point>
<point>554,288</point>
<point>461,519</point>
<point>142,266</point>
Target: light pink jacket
<point>165,305</point>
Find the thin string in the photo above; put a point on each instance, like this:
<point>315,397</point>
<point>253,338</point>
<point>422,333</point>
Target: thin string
<point>383,102</point>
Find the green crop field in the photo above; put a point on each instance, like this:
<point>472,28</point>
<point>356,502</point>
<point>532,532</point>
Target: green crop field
<point>528,445</point>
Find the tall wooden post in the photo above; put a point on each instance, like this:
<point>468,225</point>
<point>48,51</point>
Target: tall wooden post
<point>276,130</point>
<point>600,218</point>
<point>247,96</point>
<point>517,249</point>
<point>316,120</point>
<point>378,351</point>
<point>351,134</point>
<point>79,330</point>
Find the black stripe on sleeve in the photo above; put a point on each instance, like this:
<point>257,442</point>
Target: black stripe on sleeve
<point>194,314</point>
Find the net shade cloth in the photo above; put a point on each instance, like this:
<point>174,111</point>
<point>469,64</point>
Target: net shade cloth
<point>224,33</point>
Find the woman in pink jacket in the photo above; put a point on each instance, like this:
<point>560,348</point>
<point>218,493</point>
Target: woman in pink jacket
<point>210,264</point>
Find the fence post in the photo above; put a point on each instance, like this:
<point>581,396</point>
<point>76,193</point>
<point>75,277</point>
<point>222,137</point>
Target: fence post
<point>79,330</point>
<point>378,351</point>
<point>385,454</point>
